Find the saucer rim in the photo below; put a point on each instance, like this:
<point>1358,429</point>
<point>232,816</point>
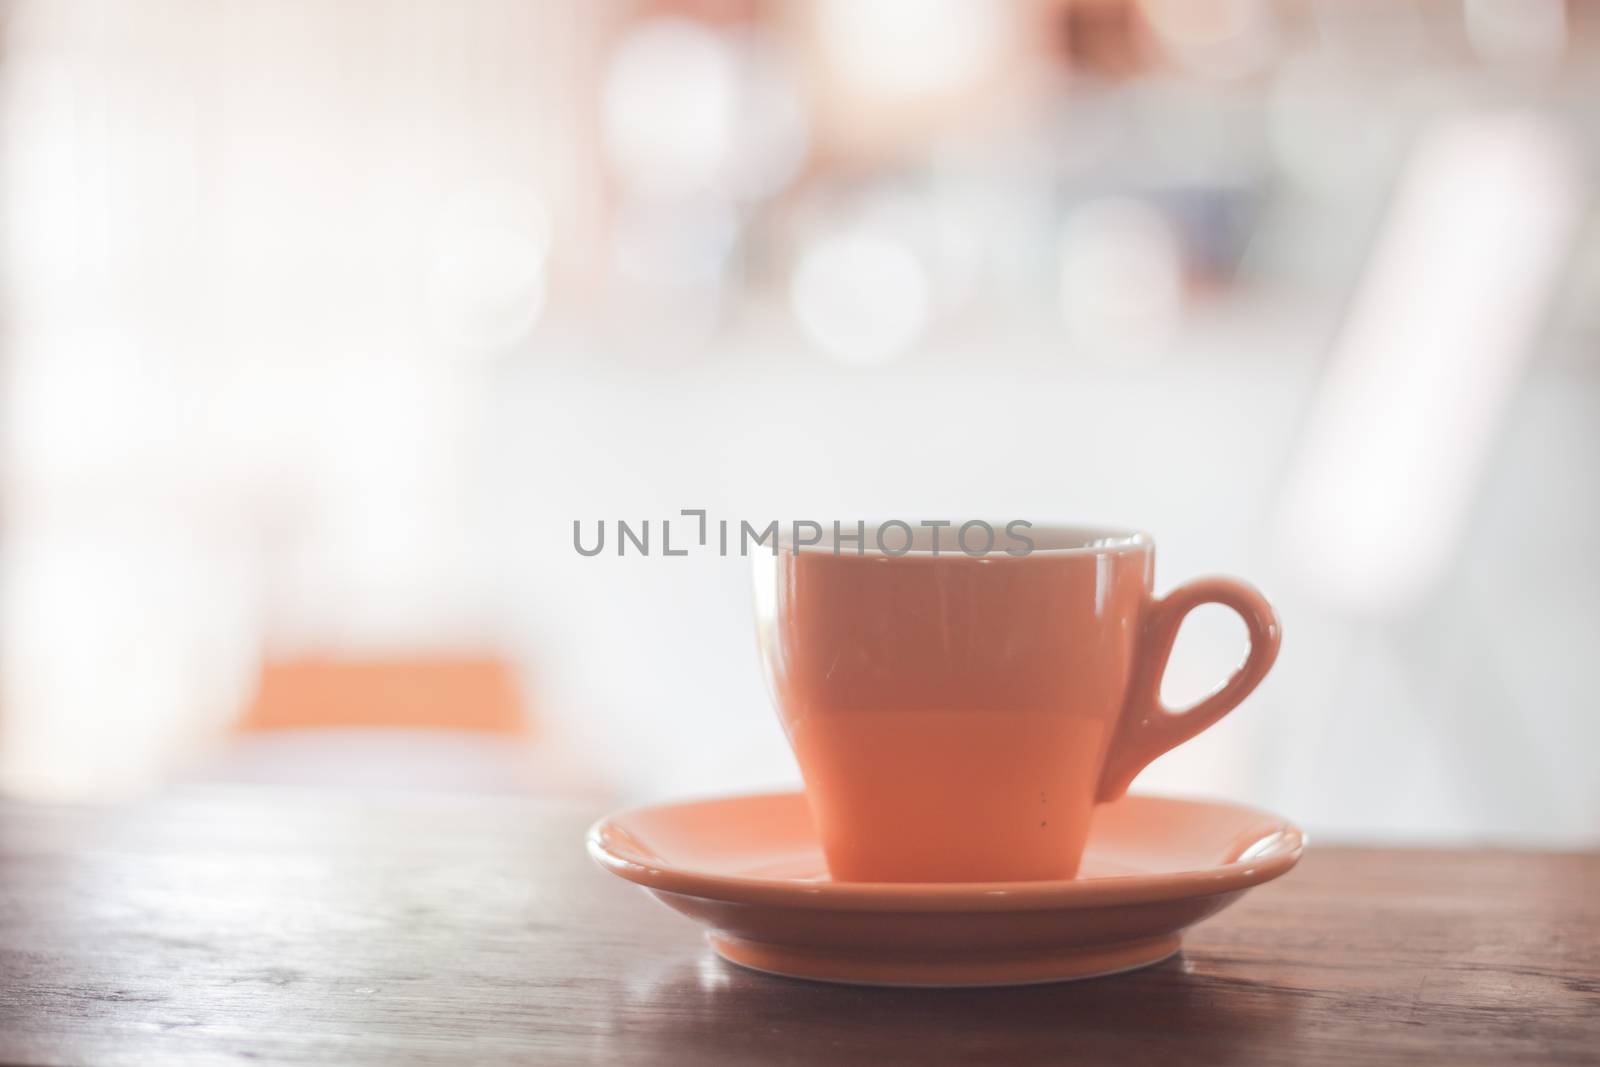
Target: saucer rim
<point>1223,878</point>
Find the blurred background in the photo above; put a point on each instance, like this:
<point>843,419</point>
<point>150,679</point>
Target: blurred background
<point>323,323</point>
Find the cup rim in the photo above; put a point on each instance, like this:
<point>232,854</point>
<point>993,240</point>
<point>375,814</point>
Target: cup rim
<point>1050,539</point>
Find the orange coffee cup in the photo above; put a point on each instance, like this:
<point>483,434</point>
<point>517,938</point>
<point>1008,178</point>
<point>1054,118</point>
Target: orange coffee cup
<point>957,716</point>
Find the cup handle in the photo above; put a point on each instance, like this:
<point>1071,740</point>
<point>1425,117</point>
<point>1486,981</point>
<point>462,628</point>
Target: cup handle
<point>1147,728</point>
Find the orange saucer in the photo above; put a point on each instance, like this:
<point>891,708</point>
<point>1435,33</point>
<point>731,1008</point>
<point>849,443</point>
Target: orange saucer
<point>751,871</point>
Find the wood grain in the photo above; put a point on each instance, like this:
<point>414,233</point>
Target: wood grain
<point>273,927</point>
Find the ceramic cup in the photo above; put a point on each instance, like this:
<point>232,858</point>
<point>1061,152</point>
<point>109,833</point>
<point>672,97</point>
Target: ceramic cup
<point>957,717</point>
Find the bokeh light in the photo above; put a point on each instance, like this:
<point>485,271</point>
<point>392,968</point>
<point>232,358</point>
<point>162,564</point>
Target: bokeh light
<point>912,47</point>
<point>669,105</point>
<point>861,296</point>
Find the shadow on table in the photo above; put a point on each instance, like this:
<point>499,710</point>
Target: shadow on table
<point>709,1011</point>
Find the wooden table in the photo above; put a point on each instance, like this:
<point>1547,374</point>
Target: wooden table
<point>286,927</point>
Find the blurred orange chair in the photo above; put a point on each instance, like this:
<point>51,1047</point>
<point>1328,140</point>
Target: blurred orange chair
<point>468,693</point>
<point>426,722</point>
